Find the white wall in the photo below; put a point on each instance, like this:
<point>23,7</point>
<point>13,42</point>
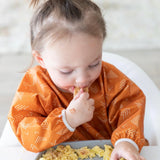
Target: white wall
<point>131,25</point>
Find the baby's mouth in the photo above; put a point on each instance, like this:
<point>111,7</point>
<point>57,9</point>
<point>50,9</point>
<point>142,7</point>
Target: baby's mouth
<point>72,89</point>
<point>77,89</point>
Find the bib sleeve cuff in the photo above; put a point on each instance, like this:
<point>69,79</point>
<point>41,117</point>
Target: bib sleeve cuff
<point>127,140</point>
<point>65,121</point>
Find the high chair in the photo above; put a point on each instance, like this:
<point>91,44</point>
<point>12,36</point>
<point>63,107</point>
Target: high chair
<point>139,77</point>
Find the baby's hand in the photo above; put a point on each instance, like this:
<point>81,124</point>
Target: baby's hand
<point>80,110</point>
<point>125,150</point>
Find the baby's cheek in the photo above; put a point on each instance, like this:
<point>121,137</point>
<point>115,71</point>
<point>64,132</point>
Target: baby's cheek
<point>63,83</point>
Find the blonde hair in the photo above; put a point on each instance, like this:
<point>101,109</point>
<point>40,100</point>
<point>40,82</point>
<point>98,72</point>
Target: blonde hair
<point>55,19</point>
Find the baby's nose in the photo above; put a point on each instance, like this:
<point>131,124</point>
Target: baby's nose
<point>82,81</point>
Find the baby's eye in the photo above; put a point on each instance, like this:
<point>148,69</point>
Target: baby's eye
<point>94,65</point>
<point>66,72</point>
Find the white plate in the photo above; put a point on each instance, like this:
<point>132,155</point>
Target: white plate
<point>79,144</point>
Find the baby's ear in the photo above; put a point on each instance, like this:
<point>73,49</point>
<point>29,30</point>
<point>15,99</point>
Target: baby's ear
<point>38,58</point>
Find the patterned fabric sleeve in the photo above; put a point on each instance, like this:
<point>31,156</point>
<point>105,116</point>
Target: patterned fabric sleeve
<point>35,114</point>
<point>126,107</point>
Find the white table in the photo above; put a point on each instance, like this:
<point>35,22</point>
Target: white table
<point>19,153</point>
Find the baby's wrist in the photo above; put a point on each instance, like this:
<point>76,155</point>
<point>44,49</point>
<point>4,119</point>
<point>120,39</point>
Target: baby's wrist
<point>129,141</point>
<point>64,118</point>
<point>69,118</point>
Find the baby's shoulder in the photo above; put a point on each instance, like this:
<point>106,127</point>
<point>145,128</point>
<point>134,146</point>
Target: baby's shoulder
<point>110,71</point>
<point>36,72</point>
<point>107,67</point>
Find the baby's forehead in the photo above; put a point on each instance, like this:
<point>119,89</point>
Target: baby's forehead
<point>78,50</point>
<point>74,63</point>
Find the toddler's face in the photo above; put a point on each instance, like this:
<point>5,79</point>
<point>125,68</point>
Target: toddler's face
<point>74,62</point>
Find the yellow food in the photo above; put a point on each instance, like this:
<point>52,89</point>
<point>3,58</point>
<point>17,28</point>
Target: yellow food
<point>98,151</point>
<point>60,153</point>
<point>76,90</point>
<point>84,152</point>
<point>107,152</point>
<point>68,153</point>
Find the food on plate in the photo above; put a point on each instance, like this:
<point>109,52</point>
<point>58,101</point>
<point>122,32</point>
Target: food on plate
<point>98,151</point>
<point>60,153</point>
<point>66,152</point>
<point>85,152</point>
<point>107,152</point>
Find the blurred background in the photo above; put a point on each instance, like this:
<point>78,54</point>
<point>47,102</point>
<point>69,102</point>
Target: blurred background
<point>133,31</point>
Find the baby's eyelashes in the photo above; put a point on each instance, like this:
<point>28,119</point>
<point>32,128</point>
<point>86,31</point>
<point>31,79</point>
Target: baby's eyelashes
<point>66,72</point>
<point>94,65</point>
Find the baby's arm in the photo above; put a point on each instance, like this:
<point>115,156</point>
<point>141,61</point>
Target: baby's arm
<point>36,130</point>
<point>131,102</point>
<point>35,114</point>
<point>126,107</point>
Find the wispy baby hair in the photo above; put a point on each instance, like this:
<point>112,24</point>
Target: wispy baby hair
<point>55,19</point>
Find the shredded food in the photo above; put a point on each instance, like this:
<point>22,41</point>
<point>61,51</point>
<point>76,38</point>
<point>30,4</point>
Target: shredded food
<point>62,152</point>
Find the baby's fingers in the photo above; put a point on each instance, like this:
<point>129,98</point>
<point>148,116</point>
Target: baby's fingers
<point>84,96</point>
<point>91,108</point>
<point>78,94</point>
<point>91,101</point>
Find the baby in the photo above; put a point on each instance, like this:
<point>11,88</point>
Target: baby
<point>66,39</point>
